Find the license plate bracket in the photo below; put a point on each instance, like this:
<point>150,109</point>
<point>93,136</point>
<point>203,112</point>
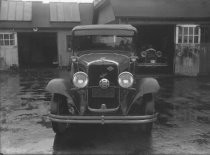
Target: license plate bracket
<point>105,93</point>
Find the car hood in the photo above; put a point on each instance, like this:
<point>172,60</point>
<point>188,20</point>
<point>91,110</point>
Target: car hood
<point>122,61</point>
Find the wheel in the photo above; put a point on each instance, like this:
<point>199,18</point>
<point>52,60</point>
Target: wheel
<point>149,109</point>
<point>61,109</point>
<point>144,107</point>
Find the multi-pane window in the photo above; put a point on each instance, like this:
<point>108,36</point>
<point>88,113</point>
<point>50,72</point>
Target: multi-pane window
<point>188,34</point>
<point>7,39</point>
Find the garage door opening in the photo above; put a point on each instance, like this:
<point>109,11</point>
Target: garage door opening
<point>155,46</point>
<point>37,50</point>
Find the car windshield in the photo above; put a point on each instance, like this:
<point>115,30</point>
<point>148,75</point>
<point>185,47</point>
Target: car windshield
<point>103,42</point>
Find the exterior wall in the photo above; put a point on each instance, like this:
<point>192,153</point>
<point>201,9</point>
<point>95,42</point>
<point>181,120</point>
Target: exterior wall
<point>63,53</point>
<point>86,13</point>
<point>8,54</point>
<point>205,59</point>
<point>205,50</point>
<point>106,15</point>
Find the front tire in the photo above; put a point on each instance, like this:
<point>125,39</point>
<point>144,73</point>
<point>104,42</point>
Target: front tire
<point>149,109</point>
<point>145,106</point>
<point>61,108</point>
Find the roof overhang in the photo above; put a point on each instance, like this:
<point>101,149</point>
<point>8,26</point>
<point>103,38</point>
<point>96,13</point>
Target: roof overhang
<point>159,11</point>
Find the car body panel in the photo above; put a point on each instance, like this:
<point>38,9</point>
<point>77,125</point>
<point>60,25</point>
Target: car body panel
<point>58,86</point>
<point>101,58</point>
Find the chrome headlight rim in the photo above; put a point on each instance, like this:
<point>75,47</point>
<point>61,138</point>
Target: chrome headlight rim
<point>159,54</point>
<point>143,54</point>
<point>131,80</point>
<point>75,80</point>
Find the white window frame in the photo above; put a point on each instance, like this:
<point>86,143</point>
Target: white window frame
<point>9,39</point>
<point>188,35</point>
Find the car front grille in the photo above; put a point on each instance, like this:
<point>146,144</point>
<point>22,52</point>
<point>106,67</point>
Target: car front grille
<point>97,72</point>
<point>98,96</point>
<point>151,55</point>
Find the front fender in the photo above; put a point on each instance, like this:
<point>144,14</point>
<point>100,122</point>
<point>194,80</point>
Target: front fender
<point>59,86</point>
<point>146,86</point>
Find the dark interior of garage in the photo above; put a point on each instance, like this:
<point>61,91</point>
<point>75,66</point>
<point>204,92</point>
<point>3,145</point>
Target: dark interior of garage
<point>37,50</point>
<point>160,38</point>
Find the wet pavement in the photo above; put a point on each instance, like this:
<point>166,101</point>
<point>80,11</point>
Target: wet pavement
<point>183,125</point>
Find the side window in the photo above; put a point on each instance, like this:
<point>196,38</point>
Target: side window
<point>188,34</point>
<point>68,43</point>
<point>7,39</point>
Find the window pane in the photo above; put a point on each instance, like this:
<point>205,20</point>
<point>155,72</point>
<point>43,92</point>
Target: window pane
<point>190,39</point>
<point>6,42</point>
<point>6,36</point>
<point>180,30</point>
<point>195,39</point>
<point>180,39</point>
<point>185,39</point>
<point>185,30</point>
<point>11,42</point>
<point>1,42</point>
<point>1,36</point>
<point>196,30</point>
<point>190,30</point>
<point>11,36</point>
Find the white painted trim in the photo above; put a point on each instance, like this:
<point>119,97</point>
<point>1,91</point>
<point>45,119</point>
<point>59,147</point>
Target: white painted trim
<point>188,26</point>
<point>15,38</point>
<point>177,34</point>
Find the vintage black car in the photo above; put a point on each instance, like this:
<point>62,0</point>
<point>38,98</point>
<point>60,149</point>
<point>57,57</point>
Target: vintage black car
<point>102,87</point>
<point>151,57</point>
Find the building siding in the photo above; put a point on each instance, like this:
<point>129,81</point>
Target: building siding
<point>16,11</point>
<point>106,15</point>
<point>63,53</point>
<point>64,12</point>
<point>204,59</point>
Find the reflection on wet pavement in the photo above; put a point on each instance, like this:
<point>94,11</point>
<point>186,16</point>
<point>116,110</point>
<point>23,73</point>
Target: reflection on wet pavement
<point>97,139</point>
<point>183,124</point>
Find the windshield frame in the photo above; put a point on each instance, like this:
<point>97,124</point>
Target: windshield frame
<point>124,33</point>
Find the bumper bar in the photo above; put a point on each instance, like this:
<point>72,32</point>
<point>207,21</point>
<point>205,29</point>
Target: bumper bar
<point>103,119</point>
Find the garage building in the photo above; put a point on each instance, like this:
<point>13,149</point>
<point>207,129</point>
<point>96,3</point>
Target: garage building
<point>36,34</point>
<point>179,29</point>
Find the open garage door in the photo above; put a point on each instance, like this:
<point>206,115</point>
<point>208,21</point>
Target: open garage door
<point>37,50</point>
<point>155,48</point>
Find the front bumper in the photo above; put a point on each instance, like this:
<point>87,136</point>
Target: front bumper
<point>103,119</point>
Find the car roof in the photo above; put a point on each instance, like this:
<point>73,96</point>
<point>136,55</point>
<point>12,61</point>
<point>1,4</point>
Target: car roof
<point>105,26</point>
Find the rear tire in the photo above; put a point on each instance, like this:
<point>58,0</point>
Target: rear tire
<point>61,109</point>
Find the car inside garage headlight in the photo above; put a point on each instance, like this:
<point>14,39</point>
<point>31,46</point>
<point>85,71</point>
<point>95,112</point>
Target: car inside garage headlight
<point>125,79</point>
<point>80,79</point>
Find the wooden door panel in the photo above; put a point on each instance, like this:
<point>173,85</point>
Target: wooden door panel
<point>187,59</point>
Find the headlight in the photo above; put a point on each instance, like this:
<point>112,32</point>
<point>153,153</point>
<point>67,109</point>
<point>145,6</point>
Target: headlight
<point>80,79</point>
<point>125,79</point>
<point>143,54</point>
<point>159,54</point>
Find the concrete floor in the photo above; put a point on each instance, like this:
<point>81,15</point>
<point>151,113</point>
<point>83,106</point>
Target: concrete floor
<point>183,125</point>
